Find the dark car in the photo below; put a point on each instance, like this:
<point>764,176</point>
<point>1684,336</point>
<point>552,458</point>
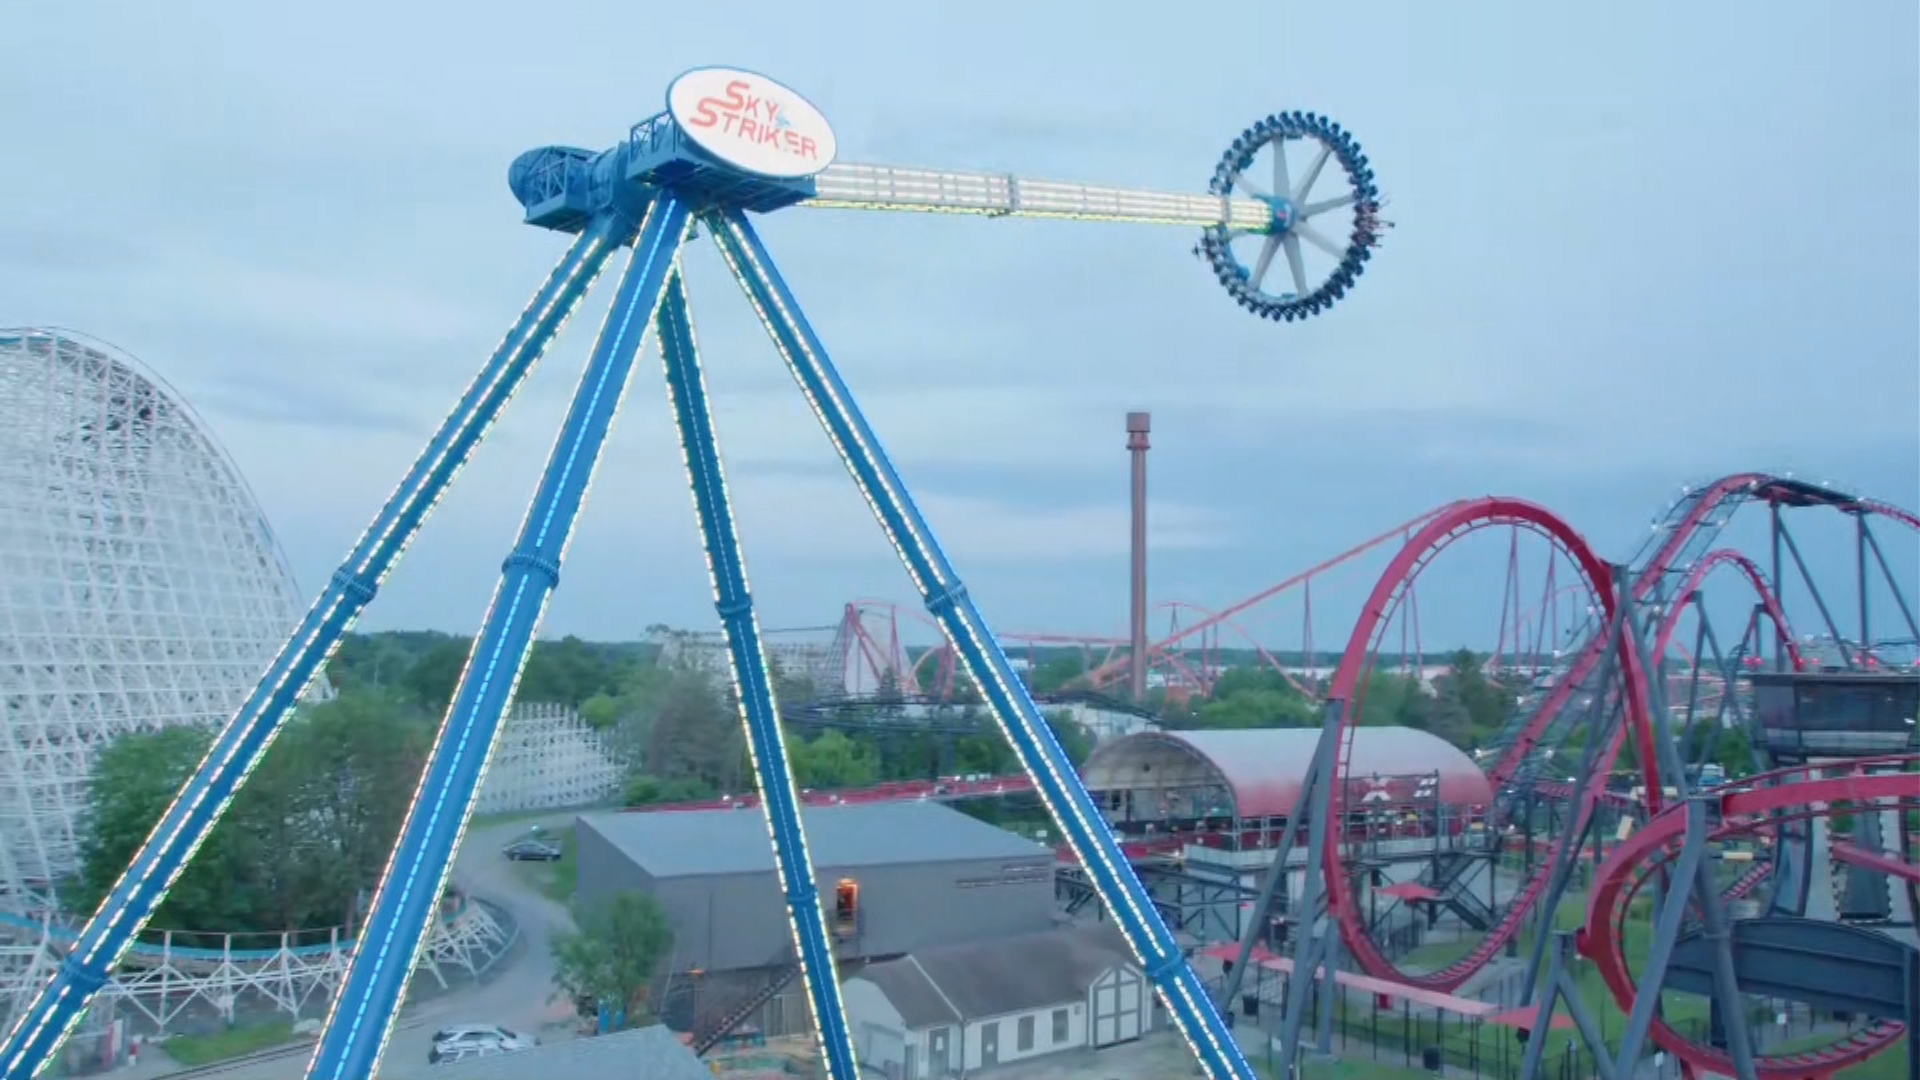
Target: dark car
<point>532,850</point>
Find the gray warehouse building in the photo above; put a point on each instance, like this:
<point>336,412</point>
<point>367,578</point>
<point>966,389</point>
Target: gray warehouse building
<point>893,878</point>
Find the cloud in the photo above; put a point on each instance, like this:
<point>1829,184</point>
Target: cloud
<point>304,227</point>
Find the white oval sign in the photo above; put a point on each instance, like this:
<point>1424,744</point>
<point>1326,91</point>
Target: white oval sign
<point>751,122</point>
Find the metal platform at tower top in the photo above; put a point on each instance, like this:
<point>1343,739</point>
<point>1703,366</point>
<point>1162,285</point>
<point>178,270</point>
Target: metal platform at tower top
<point>1801,715</point>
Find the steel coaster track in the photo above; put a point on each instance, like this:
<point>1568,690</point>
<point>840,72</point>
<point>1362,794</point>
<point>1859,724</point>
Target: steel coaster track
<point>1757,803</point>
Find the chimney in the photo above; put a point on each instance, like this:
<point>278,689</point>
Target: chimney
<point>1137,427</point>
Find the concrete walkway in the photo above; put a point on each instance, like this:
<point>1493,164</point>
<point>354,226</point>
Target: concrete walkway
<point>516,994</point>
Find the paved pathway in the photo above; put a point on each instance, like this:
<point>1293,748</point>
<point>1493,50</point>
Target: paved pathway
<point>515,995</point>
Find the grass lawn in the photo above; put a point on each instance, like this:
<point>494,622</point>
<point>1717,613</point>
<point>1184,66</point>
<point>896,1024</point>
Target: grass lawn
<point>511,817</point>
<point>220,1045</point>
<point>1888,1064</point>
<point>553,879</point>
<point>1345,1069</point>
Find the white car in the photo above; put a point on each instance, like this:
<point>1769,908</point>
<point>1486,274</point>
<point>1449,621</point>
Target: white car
<point>476,1040</point>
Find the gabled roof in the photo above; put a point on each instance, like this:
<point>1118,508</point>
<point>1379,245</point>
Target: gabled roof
<point>981,979</point>
<point>907,986</point>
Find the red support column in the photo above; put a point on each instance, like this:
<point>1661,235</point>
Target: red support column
<point>1137,427</point>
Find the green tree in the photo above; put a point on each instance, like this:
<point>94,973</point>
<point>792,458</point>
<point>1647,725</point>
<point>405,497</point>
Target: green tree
<point>612,957</point>
<point>1487,702</point>
<point>790,688</point>
<point>644,790</point>
<point>1385,699</point>
<point>602,712</point>
<point>1056,673</point>
<point>432,678</point>
<point>833,761</point>
<point>311,830</point>
<point>327,802</point>
<point>694,733</point>
<point>1257,708</point>
<point>1072,735</point>
<point>983,751</point>
<point>569,671</point>
<point>134,780</point>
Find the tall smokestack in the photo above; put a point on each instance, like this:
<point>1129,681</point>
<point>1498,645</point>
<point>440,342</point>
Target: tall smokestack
<point>1137,427</point>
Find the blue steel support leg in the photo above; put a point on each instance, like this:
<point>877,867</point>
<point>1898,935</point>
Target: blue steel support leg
<point>396,924</point>
<point>779,798</point>
<point>45,1022</point>
<point>1026,730</point>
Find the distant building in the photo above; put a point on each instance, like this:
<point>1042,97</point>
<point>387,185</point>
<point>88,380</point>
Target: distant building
<point>893,877</point>
<point>957,1009</point>
<point>810,653</point>
<point>1244,783</point>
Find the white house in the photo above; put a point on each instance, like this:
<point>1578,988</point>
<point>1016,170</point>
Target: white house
<point>972,1006</point>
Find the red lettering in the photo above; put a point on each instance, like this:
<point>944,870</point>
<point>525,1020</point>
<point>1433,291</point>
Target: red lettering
<point>754,119</point>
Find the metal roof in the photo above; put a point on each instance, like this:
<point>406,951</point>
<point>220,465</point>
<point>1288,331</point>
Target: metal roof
<point>651,1053</point>
<point>1264,767</point>
<point>978,979</point>
<point>912,993</point>
<point>705,842</point>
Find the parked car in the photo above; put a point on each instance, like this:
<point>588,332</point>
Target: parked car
<point>532,849</point>
<point>476,1040</point>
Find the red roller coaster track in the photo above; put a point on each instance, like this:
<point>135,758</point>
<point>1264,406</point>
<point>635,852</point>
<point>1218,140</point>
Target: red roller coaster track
<point>1757,803</point>
<point>1696,518</point>
<point>1440,531</point>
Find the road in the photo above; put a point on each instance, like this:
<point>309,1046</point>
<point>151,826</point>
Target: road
<point>516,996</point>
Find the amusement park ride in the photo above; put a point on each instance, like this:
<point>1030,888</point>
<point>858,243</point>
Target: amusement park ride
<point>730,142</point>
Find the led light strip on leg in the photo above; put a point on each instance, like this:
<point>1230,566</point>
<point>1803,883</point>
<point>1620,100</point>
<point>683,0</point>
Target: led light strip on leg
<point>47,1020</point>
<point>759,713</point>
<point>359,1024</point>
<point>1060,789</point>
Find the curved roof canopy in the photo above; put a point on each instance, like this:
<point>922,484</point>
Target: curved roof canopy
<point>1264,767</point>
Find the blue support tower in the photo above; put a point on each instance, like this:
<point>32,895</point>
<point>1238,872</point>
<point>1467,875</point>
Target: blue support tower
<point>44,1024</point>
<point>946,598</point>
<point>396,924</point>
<point>643,191</point>
<point>779,797</point>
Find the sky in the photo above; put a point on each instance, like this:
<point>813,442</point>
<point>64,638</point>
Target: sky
<point>1637,246</point>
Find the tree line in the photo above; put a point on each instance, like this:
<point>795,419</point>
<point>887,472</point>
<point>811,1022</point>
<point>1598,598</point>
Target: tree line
<point>306,839</point>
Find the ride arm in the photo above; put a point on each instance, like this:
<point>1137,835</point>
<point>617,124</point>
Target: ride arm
<point>940,191</point>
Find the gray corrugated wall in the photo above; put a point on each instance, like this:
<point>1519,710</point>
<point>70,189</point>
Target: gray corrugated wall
<point>732,921</point>
<point>739,920</point>
<point>602,869</point>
